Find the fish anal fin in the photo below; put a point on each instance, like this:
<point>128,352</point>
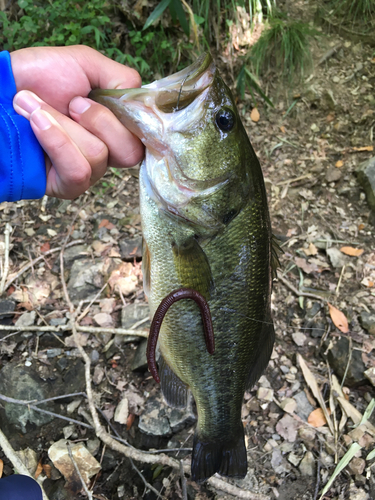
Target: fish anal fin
<point>175,392</point>
<point>228,458</point>
<point>264,351</point>
<point>192,267</point>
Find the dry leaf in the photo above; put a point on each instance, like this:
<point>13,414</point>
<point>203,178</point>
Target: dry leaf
<point>254,115</point>
<point>317,418</point>
<point>339,164</point>
<point>130,421</point>
<point>354,252</point>
<point>103,223</point>
<point>45,247</point>
<point>312,250</point>
<point>282,128</point>
<point>306,266</point>
<point>338,318</point>
<point>367,282</point>
<point>364,148</point>
<point>312,383</point>
<point>39,470</point>
<point>47,470</point>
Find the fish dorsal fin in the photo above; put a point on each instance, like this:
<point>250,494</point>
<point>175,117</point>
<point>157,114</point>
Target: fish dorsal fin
<point>174,390</point>
<point>192,266</point>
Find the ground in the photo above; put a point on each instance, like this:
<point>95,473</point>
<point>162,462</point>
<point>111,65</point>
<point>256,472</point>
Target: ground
<point>309,146</point>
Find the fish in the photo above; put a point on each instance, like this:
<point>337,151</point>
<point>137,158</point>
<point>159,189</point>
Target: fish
<point>206,231</point>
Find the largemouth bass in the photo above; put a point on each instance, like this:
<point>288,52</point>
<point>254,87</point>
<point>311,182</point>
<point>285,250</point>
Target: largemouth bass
<point>206,227</point>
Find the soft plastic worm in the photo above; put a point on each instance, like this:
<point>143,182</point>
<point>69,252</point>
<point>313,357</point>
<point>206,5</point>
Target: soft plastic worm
<point>165,304</point>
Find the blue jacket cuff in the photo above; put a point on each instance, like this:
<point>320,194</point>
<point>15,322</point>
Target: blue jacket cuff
<point>22,164</point>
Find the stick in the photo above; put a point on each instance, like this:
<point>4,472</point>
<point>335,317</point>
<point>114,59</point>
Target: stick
<point>8,230</point>
<point>69,328</point>
<point>297,292</point>
<point>88,493</point>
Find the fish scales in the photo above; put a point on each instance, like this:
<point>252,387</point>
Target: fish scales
<point>206,226</point>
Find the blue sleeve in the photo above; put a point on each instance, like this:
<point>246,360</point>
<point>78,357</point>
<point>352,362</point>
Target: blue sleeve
<point>22,164</point>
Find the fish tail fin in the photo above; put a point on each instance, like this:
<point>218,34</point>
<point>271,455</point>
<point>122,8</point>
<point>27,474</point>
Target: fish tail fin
<point>228,458</point>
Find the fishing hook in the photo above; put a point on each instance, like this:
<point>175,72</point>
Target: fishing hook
<point>180,92</point>
<point>165,304</point>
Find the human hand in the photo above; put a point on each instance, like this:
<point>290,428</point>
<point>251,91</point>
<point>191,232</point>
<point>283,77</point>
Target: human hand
<point>80,137</point>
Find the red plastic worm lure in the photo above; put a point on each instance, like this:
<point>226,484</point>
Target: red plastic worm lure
<point>165,304</point>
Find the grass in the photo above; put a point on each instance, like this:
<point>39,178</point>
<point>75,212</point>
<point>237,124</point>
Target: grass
<point>283,49</point>
<point>354,10</point>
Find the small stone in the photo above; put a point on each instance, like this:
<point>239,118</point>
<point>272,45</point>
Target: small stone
<point>6,308</point>
<point>338,357</point>
<point>122,411</point>
<point>336,79</point>
<point>304,408</point>
<point>357,494</point>
<point>68,431</point>
<point>98,374</point>
<point>370,375</point>
<point>71,408</point>
<point>294,459</point>
<point>265,394</point>
<point>57,321</point>
<point>333,174</point>
<point>29,459</point>
<point>94,356</point>
<point>279,464</point>
<point>307,435</point>
<point>93,445</point>
<point>307,465</point>
<point>287,428</point>
<point>357,465</point>
<point>366,177</point>
<point>368,322</point>
<point>270,445</point>
<point>299,338</point>
<point>53,353</point>
<point>288,405</point>
<point>337,258</point>
<point>26,319</point>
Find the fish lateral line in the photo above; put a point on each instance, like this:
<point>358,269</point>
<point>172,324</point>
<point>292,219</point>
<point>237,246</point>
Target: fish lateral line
<point>161,311</point>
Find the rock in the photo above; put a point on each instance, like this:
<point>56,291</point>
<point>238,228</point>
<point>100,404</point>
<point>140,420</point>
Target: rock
<point>333,174</point>
<point>307,465</point>
<point>26,319</point>
<point>131,249</point>
<point>265,394</point>
<point>357,466</point>
<point>299,338</point>
<point>336,257</point>
<point>287,427</point>
<point>140,359</point>
<point>357,494</point>
<point>87,464</point>
<point>368,322</point>
<point>122,411</point>
<point>288,405</point>
<point>158,419</point>
<point>304,408</point>
<point>370,375</point>
<point>21,382</point>
<point>366,177</point>
<point>338,357</point>
<point>6,308</point>
<point>307,435</point>
<point>294,458</point>
<point>86,279</point>
<point>73,253</point>
<point>29,459</point>
<point>279,464</point>
<point>130,315</point>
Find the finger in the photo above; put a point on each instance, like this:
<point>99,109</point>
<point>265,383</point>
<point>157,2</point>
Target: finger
<point>70,173</point>
<point>92,148</point>
<point>125,149</point>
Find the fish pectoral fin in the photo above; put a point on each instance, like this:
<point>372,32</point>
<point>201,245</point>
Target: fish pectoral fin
<point>276,250</point>
<point>192,266</point>
<point>174,390</point>
<point>228,458</point>
<point>264,352</point>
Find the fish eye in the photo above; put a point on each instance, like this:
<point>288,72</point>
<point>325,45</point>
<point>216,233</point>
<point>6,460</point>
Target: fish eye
<point>225,119</point>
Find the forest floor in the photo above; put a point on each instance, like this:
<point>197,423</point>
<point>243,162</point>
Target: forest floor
<point>323,308</point>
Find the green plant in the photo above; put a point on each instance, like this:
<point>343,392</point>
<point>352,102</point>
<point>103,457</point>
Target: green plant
<point>283,48</point>
<point>247,79</point>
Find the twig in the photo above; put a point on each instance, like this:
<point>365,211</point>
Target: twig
<point>329,53</point>
<point>88,493</point>
<point>68,328</point>
<point>35,261</point>
<point>148,485</point>
<point>297,292</point>
<point>15,459</point>
<point>83,314</point>
<point>350,351</point>
<point>340,279</point>
<point>183,482</point>
<point>8,230</point>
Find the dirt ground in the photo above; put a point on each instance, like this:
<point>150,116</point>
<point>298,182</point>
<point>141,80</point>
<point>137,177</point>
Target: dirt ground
<point>309,146</point>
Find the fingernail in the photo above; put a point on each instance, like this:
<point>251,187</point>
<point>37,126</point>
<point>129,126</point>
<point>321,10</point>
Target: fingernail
<point>40,119</point>
<point>79,105</point>
<point>27,102</point>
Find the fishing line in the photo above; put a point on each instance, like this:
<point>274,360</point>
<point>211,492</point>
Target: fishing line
<point>180,92</point>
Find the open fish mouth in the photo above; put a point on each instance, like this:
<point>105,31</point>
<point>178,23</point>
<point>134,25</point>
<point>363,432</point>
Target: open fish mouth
<point>154,112</point>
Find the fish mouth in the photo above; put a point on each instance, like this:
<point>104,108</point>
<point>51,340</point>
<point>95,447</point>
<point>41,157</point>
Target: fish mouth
<point>173,104</point>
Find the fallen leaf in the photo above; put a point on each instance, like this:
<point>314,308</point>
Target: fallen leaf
<point>364,148</point>
<point>367,282</point>
<point>338,318</point>
<point>354,252</point>
<point>45,247</point>
<point>47,470</point>
<point>311,250</point>
<point>130,421</point>
<point>317,418</point>
<point>103,223</point>
<point>254,115</point>
<point>282,128</point>
<point>104,320</point>
<point>122,412</point>
<point>339,164</point>
<point>39,470</point>
<point>306,266</point>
